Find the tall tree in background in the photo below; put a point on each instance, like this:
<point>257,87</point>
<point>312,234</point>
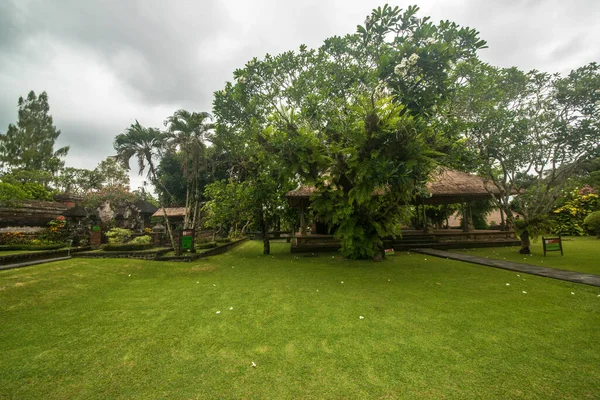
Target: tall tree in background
<point>111,173</point>
<point>145,144</point>
<point>30,144</point>
<point>531,131</point>
<point>186,134</point>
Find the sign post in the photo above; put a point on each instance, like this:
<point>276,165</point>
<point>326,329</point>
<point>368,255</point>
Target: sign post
<point>187,240</point>
<point>552,244</point>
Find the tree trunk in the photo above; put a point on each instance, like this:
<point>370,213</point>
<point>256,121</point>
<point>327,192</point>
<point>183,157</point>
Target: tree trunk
<point>169,230</point>
<point>265,232</point>
<point>196,205</point>
<point>186,218</point>
<point>525,243</point>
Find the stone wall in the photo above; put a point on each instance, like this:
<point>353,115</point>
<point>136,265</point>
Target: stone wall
<point>31,213</point>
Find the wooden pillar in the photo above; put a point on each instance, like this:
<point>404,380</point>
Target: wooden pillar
<point>465,222</point>
<point>417,222</point>
<point>302,222</point>
<point>467,217</point>
<point>424,215</point>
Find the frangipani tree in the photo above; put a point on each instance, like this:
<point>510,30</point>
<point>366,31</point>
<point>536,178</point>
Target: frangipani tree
<point>531,131</point>
<point>354,117</point>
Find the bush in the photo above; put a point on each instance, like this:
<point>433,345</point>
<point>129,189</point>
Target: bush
<point>140,240</point>
<point>223,240</point>
<point>118,235</point>
<point>592,223</point>
<point>208,245</point>
<point>577,205</point>
<point>11,195</point>
<point>126,247</point>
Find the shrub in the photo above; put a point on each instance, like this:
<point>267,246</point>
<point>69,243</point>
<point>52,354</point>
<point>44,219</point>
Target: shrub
<point>118,235</point>
<point>577,205</point>
<point>208,245</point>
<point>223,240</point>
<point>592,223</point>
<point>126,247</point>
<point>140,240</point>
<point>11,195</point>
<point>12,247</point>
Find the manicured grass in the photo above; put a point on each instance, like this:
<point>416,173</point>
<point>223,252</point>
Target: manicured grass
<point>152,250</point>
<point>581,254</point>
<point>432,328</point>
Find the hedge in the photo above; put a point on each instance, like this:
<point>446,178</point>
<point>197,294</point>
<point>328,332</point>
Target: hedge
<point>31,247</point>
<point>208,245</point>
<point>126,247</point>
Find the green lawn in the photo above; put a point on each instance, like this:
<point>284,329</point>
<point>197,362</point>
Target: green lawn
<point>581,254</point>
<point>432,328</point>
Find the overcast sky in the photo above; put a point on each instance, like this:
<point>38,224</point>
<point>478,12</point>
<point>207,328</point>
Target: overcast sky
<point>106,63</point>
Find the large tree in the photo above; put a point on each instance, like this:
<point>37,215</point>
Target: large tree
<point>531,131</point>
<point>144,144</point>
<point>30,143</point>
<point>354,117</point>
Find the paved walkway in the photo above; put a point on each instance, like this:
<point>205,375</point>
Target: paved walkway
<point>28,263</point>
<point>571,276</point>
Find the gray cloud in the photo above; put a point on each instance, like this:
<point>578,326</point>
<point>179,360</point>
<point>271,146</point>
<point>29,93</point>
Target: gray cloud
<point>106,63</point>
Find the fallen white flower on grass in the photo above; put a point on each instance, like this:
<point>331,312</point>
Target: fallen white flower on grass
<point>425,259</point>
<point>524,292</point>
<point>361,317</point>
<point>389,280</point>
<point>197,282</point>
<point>508,284</point>
<point>129,274</point>
<point>342,281</point>
<point>231,308</point>
<point>218,312</point>
<point>572,292</point>
<point>253,364</point>
<point>214,285</point>
<point>518,275</point>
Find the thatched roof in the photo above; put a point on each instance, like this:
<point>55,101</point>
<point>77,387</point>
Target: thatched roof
<point>171,212</point>
<point>449,182</point>
<point>302,191</point>
<point>445,186</point>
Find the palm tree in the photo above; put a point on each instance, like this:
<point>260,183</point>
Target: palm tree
<point>145,144</point>
<point>186,132</point>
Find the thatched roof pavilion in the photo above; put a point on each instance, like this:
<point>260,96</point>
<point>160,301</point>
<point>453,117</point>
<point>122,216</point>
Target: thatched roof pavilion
<point>171,212</point>
<point>446,186</point>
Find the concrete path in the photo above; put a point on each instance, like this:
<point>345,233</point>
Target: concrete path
<point>28,263</point>
<point>571,276</point>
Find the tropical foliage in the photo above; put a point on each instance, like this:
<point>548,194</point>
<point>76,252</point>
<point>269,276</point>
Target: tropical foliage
<point>352,117</point>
